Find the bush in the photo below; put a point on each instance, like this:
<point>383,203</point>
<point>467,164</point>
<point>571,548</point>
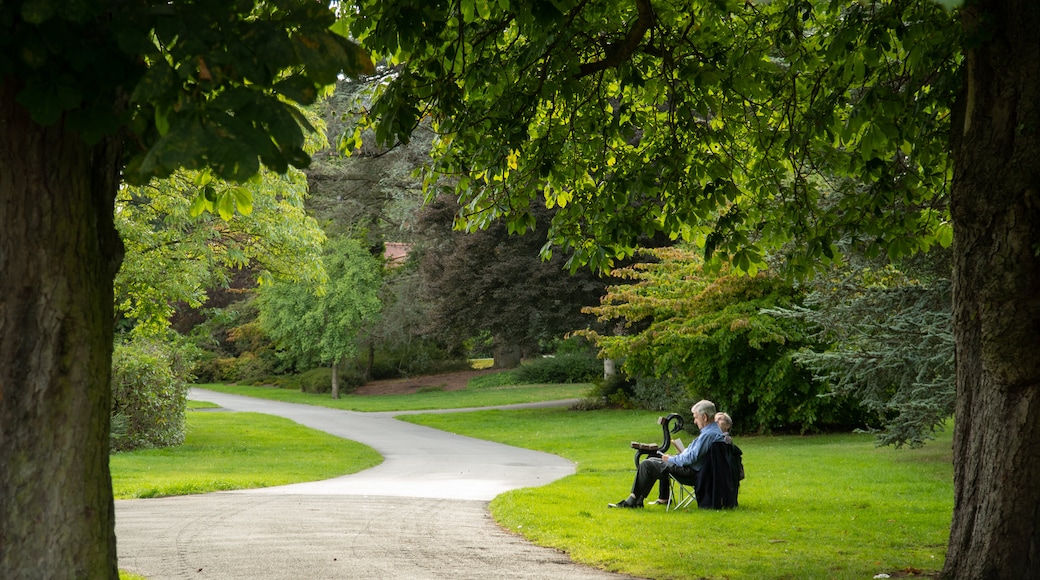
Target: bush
<point>579,367</point>
<point>615,391</point>
<point>314,381</point>
<point>663,395</point>
<point>149,394</point>
<point>319,381</point>
<point>490,380</point>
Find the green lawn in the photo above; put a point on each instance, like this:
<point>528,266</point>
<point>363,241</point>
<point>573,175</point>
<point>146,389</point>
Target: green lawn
<point>225,450</point>
<point>829,506</point>
<point>469,397</point>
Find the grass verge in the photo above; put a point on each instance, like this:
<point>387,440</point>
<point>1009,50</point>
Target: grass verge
<point>224,450</point>
<point>469,397</point>
<point>830,506</point>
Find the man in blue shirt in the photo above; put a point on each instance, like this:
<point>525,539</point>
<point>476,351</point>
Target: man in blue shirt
<point>683,466</point>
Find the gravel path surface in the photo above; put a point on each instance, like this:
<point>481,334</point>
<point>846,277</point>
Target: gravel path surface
<point>420,514</point>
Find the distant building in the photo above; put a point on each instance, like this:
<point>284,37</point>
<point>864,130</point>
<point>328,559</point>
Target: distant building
<point>396,253</point>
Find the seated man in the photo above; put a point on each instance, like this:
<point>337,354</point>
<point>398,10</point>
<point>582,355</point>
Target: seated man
<point>683,466</point>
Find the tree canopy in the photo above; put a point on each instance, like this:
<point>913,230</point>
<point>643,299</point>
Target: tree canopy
<point>742,126</point>
<point>173,256</point>
<point>705,333</point>
<point>191,84</point>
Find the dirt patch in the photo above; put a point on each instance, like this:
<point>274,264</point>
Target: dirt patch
<point>455,381</point>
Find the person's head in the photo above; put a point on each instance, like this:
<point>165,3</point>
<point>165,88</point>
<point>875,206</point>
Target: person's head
<point>724,421</point>
<point>703,413</point>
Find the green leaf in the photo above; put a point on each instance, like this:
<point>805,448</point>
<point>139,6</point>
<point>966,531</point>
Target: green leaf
<point>468,8</point>
<point>203,177</point>
<point>226,205</point>
<point>199,204</point>
<point>243,200</point>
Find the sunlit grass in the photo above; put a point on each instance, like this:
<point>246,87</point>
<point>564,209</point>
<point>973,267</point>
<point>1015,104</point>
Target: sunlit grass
<point>830,506</point>
<point>224,450</point>
<point>431,399</point>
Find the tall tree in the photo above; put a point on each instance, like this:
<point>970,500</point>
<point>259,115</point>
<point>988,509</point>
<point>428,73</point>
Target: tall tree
<point>322,324</point>
<point>726,121</point>
<point>494,280</point>
<point>89,92</point>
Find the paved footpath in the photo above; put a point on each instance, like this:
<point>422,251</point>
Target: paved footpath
<point>420,514</point>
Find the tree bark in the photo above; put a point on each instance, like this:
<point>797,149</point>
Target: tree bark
<point>335,379</point>
<point>996,211</point>
<point>59,253</point>
<point>507,354</point>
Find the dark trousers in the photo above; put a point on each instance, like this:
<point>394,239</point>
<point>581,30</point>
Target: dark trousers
<point>653,470</point>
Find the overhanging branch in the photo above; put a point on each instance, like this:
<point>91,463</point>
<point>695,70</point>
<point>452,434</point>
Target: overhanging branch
<point>619,52</point>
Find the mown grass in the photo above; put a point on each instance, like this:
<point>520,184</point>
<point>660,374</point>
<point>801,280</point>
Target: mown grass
<point>224,450</point>
<point>461,399</point>
<point>830,506</point>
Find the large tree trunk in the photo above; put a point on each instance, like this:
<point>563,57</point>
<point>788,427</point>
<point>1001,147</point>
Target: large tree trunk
<point>507,354</point>
<point>996,211</point>
<point>59,253</point>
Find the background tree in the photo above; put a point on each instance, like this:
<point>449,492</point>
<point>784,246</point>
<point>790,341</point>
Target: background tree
<point>705,334</point>
<point>718,121</point>
<point>91,92</point>
<point>494,280</point>
<point>174,256</point>
<point>888,343</point>
<point>321,325</point>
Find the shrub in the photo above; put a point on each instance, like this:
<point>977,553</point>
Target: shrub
<point>149,394</point>
<point>580,367</point>
<point>662,395</point>
<point>614,391</point>
<point>499,379</point>
<point>315,381</point>
<point>416,358</point>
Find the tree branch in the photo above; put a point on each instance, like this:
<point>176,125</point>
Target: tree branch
<point>619,52</point>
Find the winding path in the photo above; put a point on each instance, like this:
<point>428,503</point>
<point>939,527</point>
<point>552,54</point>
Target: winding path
<point>422,513</point>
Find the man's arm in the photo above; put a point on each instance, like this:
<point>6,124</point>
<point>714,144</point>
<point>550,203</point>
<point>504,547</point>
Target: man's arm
<point>691,454</point>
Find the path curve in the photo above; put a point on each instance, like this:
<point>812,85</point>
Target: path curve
<point>422,513</point>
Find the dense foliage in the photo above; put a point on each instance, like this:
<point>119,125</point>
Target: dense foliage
<point>578,367</point>
<point>149,394</point>
<point>705,332</point>
<point>712,121</point>
<point>495,280</point>
<point>888,342</point>
<point>175,252</point>
<point>321,325</point>
<point>200,84</point>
